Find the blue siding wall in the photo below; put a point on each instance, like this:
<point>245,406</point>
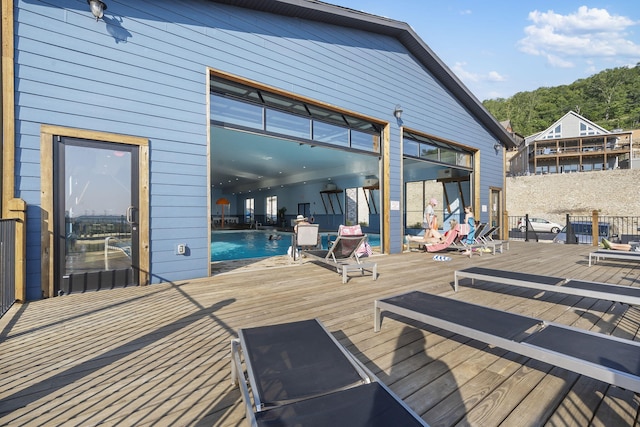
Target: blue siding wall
<point>143,73</point>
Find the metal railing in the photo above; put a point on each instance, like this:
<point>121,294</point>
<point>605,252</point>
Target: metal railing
<point>7,264</point>
<point>621,229</point>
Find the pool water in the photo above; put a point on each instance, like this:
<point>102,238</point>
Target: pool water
<point>242,244</point>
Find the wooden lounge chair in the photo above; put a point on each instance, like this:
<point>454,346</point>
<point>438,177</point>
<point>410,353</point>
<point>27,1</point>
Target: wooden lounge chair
<point>299,374</point>
<point>342,255</point>
<point>603,357</point>
<point>598,290</point>
<point>613,254</point>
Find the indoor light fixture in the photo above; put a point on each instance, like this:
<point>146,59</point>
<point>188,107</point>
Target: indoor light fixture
<point>97,8</point>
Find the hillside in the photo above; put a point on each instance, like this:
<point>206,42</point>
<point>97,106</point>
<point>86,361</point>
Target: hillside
<point>610,99</point>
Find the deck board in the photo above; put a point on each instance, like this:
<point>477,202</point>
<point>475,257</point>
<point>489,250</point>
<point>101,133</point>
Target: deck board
<point>159,355</point>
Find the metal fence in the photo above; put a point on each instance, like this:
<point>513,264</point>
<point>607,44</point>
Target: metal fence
<point>7,264</point>
<point>620,229</point>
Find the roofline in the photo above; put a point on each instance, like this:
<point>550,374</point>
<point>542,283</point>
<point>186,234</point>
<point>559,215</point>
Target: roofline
<point>319,11</point>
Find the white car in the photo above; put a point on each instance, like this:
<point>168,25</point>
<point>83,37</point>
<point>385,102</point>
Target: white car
<point>539,225</point>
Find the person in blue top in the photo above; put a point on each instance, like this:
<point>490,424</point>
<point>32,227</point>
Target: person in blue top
<point>469,220</point>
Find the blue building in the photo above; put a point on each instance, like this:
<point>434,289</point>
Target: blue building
<point>126,133</point>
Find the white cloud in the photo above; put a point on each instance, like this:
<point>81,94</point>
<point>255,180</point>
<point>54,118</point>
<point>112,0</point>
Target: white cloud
<point>460,70</point>
<point>586,33</point>
<point>494,76</point>
<point>559,62</point>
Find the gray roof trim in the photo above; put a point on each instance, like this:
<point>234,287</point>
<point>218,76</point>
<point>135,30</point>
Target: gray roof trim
<point>314,10</point>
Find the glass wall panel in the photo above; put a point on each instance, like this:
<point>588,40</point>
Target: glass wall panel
<point>331,134</point>
<point>234,112</point>
<point>288,124</point>
<point>365,141</point>
<point>429,153</point>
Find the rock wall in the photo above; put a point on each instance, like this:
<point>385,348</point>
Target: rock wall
<point>614,193</point>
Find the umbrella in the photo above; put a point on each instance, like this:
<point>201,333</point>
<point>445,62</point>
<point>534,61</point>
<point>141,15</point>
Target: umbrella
<point>222,201</point>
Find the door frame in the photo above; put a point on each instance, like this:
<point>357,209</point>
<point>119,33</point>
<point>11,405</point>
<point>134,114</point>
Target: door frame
<point>47,141</point>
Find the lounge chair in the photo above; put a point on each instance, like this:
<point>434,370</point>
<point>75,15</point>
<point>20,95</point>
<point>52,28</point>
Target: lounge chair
<point>343,256</point>
<point>613,254</point>
<point>437,247</point>
<point>477,245</point>
<point>603,357</point>
<point>489,242</point>
<point>355,230</point>
<point>299,374</point>
<point>604,291</point>
<point>306,236</point>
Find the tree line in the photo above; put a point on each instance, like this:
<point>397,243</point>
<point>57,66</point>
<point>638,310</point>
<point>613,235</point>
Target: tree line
<point>610,99</point>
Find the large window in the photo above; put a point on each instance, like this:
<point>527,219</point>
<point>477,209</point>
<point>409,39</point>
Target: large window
<point>554,133</point>
<point>426,148</point>
<point>244,107</point>
<point>272,209</point>
<point>249,211</point>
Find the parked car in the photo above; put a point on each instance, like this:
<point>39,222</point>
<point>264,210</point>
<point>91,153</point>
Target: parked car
<point>583,232</point>
<point>539,225</point>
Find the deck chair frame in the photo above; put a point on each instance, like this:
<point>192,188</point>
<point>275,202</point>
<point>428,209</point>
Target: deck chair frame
<point>306,235</point>
<point>597,290</point>
<point>599,356</point>
<point>346,261</point>
<point>613,254</point>
<point>490,242</point>
<point>317,399</point>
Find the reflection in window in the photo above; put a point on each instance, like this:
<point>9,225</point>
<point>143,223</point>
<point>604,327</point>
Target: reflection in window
<point>428,152</point>
<point>230,111</point>
<point>365,141</point>
<point>411,148</point>
<point>330,134</point>
<point>431,149</point>
<point>235,103</point>
<point>288,124</point>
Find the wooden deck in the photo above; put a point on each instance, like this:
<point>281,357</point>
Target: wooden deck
<point>159,355</point>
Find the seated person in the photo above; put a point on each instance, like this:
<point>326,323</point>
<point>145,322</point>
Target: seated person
<point>429,237</point>
<point>452,226</point>
<point>620,246</point>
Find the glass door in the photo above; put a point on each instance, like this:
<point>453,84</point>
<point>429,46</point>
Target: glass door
<point>96,208</point>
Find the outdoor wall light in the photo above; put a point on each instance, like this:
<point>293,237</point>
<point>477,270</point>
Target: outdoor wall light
<point>497,146</point>
<point>97,8</point>
<point>397,113</point>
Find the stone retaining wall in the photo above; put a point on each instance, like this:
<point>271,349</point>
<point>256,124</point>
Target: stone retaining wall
<point>612,193</point>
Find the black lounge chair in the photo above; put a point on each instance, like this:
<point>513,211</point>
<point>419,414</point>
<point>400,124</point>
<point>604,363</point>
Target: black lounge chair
<point>342,255</point>
<point>613,254</point>
<point>300,375</point>
<point>598,290</point>
<point>603,357</point>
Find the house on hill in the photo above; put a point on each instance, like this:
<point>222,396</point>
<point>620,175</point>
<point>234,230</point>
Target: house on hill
<point>128,131</point>
<point>574,144</point>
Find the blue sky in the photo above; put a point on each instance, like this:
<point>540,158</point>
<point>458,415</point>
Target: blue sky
<point>499,48</point>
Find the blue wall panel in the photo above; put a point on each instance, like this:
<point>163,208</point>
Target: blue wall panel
<point>142,71</point>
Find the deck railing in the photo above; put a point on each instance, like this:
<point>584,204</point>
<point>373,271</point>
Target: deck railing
<point>7,264</point>
<point>622,229</point>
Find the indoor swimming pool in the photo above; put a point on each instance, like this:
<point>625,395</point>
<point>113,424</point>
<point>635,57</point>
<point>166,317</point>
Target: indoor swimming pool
<point>242,244</point>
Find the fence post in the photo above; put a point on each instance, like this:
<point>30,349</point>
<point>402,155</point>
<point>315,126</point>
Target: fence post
<point>504,232</point>
<point>17,209</point>
<point>595,228</point>
<point>570,236</point>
